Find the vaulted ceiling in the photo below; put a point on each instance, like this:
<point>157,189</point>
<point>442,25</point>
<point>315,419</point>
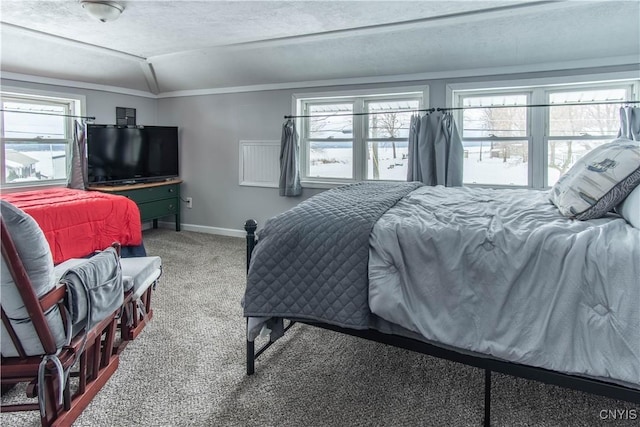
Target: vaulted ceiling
<point>180,47</point>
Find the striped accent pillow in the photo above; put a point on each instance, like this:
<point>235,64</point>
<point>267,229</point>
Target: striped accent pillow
<point>599,180</point>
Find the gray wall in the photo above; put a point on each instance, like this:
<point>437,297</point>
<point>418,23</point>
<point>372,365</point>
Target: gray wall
<point>212,125</point>
<point>210,129</point>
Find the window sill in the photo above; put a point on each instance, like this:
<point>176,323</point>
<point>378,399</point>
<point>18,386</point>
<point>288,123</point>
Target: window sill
<point>333,184</point>
<point>325,184</point>
<point>14,188</point>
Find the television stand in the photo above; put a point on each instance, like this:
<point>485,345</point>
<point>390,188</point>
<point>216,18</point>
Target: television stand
<point>154,199</point>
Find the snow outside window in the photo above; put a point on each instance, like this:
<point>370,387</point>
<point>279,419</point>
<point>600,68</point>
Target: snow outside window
<point>36,138</point>
<point>355,138</point>
<point>509,143</point>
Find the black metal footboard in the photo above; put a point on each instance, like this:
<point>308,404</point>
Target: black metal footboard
<point>250,227</point>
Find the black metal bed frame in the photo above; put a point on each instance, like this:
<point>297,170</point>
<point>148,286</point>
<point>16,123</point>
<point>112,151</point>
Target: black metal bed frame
<point>489,365</point>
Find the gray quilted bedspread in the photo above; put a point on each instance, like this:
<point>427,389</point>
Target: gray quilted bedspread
<point>311,261</point>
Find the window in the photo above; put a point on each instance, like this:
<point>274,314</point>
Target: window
<point>507,143</point>
<point>355,138</point>
<point>575,130</point>
<point>496,140</point>
<point>329,140</point>
<point>36,138</point>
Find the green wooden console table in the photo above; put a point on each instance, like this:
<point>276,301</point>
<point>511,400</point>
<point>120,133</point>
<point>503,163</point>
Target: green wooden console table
<point>155,199</point>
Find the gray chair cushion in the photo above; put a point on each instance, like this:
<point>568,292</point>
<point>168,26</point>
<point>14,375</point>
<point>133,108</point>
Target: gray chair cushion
<point>139,273</point>
<point>33,250</point>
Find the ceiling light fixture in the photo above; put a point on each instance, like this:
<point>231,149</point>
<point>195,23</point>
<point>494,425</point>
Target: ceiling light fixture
<point>103,10</point>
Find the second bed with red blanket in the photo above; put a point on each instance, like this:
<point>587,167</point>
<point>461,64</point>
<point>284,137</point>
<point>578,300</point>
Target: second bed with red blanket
<point>77,223</point>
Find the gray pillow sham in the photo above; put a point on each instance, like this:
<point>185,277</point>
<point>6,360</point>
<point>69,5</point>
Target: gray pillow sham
<point>599,180</point>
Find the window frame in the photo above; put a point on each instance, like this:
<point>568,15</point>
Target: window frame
<point>538,117</point>
<point>631,89</point>
<point>74,105</point>
<point>458,117</point>
<point>360,126</point>
<point>305,149</point>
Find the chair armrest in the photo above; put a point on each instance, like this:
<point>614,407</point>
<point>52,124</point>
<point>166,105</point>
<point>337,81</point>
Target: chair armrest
<point>53,297</point>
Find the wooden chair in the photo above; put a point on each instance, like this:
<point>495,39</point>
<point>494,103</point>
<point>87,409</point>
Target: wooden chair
<point>89,357</point>
<point>140,277</point>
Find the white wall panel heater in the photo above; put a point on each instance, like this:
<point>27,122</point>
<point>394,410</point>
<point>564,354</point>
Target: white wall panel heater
<point>260,163</point>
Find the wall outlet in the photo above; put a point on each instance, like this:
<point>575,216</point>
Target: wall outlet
<point>189,201</point>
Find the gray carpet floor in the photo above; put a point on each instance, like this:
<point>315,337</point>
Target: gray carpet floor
<point>187,368</point>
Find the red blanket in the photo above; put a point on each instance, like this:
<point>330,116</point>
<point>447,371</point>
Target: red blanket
<point>76,223</point>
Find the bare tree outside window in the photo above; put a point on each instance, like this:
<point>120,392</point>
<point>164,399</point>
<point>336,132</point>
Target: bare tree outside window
<point>576,130</point>
<point>388,132</point>
<point>495,139</point>
<point>500,126</point>
<point>390,124</point>
<point>505,122</point>
<point>357,137</point>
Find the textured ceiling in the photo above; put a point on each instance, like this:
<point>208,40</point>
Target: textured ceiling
<point>171,46</point>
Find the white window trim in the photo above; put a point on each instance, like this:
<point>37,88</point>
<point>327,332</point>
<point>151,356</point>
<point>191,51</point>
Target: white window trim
<point>80,102</point>
<point>539,89</point>
<point>359,162</point>
<point>540,81</point>
<point>18,91</point>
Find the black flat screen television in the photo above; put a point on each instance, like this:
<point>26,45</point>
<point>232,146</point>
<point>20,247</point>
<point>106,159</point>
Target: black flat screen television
<point>128,155</point>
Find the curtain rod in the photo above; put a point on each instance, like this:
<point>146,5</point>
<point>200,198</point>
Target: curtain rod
<point>431,110</point>
<point>49,114</point>
<point>564,104</point>
<point>428,110</point>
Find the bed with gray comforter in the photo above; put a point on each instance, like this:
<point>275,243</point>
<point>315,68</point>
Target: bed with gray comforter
<point>498,273</point>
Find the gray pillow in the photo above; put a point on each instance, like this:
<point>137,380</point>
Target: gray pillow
<point>599,180</point>
<point>629,209</point>
<point>33,250</point>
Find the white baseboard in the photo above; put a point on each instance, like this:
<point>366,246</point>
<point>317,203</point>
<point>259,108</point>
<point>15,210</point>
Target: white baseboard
<point>201,229</point>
